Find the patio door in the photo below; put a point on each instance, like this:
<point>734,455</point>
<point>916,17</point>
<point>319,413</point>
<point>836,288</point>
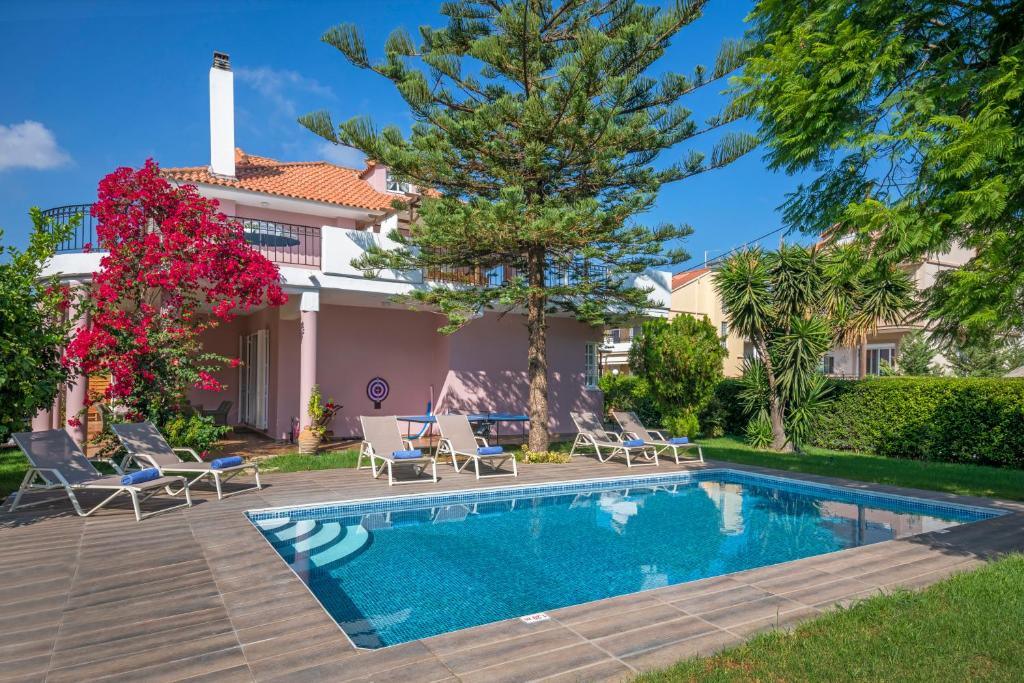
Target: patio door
<point>254,379</point>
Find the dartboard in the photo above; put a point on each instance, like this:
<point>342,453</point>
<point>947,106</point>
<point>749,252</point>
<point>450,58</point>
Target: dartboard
<point>377,390</point>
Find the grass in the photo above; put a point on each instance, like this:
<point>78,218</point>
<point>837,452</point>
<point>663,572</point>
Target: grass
<point>297,462</point>
<point>12,469</point>
<point>966,628</point>
<point>969,480</point>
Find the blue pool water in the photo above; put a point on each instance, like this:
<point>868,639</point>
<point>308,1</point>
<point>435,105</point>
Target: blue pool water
<point>390,571</point>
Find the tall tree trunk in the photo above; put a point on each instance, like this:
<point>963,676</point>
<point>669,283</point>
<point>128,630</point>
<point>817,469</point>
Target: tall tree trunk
<point>776,406</point>
<point>862,357</point>
<point>537,330</point>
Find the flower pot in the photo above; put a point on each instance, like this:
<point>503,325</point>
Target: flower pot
<point>309,442</point>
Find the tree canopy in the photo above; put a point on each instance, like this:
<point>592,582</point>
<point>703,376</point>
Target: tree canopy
<point>909,116</point>
<point>537,128</point>
<point>33,326</point>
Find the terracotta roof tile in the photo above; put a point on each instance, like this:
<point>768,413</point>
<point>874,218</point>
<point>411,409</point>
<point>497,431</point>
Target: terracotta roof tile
<point>312,180</point>
<point>686,277</point>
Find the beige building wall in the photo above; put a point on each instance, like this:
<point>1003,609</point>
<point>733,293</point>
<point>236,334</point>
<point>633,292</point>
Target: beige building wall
<point>694,294</point>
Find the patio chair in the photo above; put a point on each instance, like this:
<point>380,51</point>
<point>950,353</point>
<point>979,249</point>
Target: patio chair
<point>58,463</point>
<point>592,433</point>
<point>458,440</point>
<point>219,414</point>
<point>631,426</point>
<point>382,440</point>
<point>146,447</point>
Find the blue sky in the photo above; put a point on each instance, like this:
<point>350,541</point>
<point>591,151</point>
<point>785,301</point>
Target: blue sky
<point>90,86</point>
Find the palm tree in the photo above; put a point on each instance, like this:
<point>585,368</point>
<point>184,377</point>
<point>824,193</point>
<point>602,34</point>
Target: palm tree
<point>772,299</point>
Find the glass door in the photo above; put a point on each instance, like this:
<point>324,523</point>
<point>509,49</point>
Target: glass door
<point>253,379</point>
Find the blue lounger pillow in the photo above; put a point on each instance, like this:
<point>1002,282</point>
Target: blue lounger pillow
<point>407,455</point>
<point>633,443</point>
<point>679,440</point>
<point>224,463</point>
<point>140,477</point>
<point>490,450</point>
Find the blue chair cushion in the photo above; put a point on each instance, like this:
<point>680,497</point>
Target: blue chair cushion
<point>140,477</point>
<point>490,450</point>
<point>633,443</point>
<point>679,440</point>
<point>407,455</point>
<point>224,463</point>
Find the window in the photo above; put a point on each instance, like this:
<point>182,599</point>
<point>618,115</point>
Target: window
<point>828,364</point>
<point>725,335</point>
<point>591,369</point>
<point>395,185</point>
<point>880,357</point>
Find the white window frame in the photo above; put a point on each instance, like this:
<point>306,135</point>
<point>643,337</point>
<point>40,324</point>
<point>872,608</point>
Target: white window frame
<point>879,348</point>
<point>591,366</point>
<point>396,186</point>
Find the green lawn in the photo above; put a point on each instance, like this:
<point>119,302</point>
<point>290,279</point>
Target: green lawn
<point>967,628</point>
<point>295,462</point>
<point>973,480</point>
<point>12,469</point>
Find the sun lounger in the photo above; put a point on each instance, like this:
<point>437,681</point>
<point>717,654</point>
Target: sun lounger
<point>382,441</point>
<point>56,462</point>
<point>458,440</point>
<point>146,447</point>
<point>593,434</point>
<point>632,426</point>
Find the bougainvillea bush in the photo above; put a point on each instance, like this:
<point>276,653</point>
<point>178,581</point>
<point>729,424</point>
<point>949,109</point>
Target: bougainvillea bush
<point>175,268</point>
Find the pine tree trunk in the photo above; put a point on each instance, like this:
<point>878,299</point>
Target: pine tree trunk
<point>536,325</point>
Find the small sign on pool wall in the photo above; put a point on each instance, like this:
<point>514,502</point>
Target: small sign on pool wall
<point>534,618</point>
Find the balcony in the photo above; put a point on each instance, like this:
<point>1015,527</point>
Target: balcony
<point>282,243</point>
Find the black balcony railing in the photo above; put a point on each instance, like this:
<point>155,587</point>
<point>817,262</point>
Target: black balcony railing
<point>84,233</point>
<point>283,243</point>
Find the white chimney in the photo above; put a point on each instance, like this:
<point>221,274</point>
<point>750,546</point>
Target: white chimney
<point>222,116</point>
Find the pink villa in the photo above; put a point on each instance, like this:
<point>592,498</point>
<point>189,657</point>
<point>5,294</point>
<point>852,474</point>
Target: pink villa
<point>341,328</point>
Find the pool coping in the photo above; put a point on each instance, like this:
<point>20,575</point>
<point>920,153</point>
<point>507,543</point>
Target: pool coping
<point>687,475</point>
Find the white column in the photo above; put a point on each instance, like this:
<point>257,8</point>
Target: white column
<point>78,385</point>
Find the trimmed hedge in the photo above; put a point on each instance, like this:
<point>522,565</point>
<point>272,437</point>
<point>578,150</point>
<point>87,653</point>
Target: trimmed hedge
<point>979,421</point>
<point>723,414</point>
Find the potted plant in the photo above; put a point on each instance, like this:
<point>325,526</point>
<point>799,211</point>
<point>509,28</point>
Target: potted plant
<point>321,413</point>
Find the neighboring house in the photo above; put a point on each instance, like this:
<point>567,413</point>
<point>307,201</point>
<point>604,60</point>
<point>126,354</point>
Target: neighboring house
<point>693,294</point>
<point>883,347</point>
<point>340,328</point>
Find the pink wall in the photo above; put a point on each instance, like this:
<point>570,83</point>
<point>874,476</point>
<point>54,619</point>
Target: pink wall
<point>482,367</point>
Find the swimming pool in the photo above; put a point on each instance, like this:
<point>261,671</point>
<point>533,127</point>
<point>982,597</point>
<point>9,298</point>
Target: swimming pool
<point>398,569</point>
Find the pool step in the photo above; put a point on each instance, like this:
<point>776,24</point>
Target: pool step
<point>316,544</point>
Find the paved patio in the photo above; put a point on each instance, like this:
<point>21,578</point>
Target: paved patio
<point>197,594</point>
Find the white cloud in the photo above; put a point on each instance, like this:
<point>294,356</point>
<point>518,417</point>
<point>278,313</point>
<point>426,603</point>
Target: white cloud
<point>341,155</point>
<point>30,144</point>
<point>280,85</point>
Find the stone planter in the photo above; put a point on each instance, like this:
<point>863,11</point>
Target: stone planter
<point>309,443</point>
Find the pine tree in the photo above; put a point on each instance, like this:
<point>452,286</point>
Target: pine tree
<point>538,124</point>
<point>909,117</point>
<point>916,355</point>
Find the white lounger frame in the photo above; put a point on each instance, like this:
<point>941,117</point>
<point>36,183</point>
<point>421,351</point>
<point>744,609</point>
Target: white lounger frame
<point>663,444</point>
<point>614,443</point>
<point>366,451</point>
<point>445,447</point>
<point>138,495</point>
<point>219,476</point>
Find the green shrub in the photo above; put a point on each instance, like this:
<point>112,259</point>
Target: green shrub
<point>724,413</point>
<point>970,420</point>
<point>629,392</point>
<point>193,431</point>
<point>759,430</point>
<point>684,423</point>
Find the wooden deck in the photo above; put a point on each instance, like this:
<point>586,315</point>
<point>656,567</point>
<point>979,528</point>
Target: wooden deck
<point>197,594</point>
